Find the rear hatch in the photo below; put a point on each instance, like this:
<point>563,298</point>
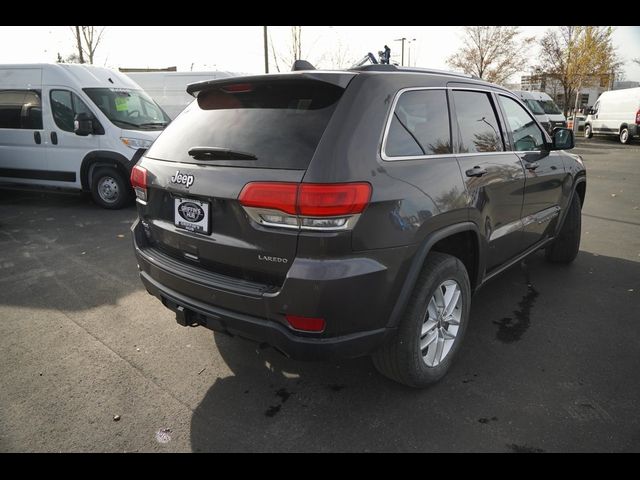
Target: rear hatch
<point>250,129</point>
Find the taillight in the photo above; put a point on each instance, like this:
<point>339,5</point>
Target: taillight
<point>139,182</point>
<point>306,206</point>
<point>306,324</point>
<point>330,200</point>
<point>271,195</point>
<point>638,117</point>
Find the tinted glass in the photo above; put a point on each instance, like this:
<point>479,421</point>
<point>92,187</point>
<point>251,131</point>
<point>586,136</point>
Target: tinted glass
<point>64,106</point>
<point>420,125</point>
<point>20,109</point>
<point>477,122</point>
<point>278,122</point>
<point>526,134</point>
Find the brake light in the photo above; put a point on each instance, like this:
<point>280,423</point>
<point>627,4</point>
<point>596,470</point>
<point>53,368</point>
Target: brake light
<point>329,200</point>
<point>638,117</point>
<point>307,324</point>
<point>271,195</point>
<point>237,88</point>
<point>306,206</point>
<point>139,182</point>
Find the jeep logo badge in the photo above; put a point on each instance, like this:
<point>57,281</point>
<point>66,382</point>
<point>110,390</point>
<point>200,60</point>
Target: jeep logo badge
<point>191,212</point>
<point>183,179</point>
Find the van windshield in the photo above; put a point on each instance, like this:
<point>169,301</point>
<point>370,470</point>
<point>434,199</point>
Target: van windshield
<point>129,109</point>
<point>534,106</point>
<point>550,108</point>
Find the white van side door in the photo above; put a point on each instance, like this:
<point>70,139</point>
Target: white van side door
<point>65,149</point>
<point>23,156</point>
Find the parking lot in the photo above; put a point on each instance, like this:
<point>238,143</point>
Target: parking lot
<point>549,362</point>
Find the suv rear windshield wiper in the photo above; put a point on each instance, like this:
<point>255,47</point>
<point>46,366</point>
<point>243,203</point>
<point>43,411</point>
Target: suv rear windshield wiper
<point>217,153</point>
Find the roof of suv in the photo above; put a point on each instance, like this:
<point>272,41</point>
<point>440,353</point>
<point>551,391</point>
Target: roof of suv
<point>339,77</point>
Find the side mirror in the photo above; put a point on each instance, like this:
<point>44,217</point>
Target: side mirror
<point>83,124</point>
<point>562,139</point>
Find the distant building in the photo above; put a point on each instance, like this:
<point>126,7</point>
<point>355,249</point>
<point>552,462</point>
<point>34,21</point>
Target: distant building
<point>621,85</point>
<point>551,85</point>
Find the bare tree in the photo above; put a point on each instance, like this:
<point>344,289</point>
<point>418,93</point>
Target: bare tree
<point>296,43</point>
<point>492,53</point>
<point>79,45</point>
<point>338,58</point>
<point>87,40</point>
<point>577,57</point>
<point>636,60</point>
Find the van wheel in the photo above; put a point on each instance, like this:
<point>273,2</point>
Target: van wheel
<point>431,330</point>
<point>109,189</point>
<point>565,247</point>
<point>587,131</point>
<point>624,135</point>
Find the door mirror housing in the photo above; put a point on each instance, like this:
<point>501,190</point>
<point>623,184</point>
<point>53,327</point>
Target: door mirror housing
<point>562,139</point>
<point>83,124</point>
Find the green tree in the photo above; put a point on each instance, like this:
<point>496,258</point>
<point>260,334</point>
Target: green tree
<point>578,57</point>
<point>492,53</point>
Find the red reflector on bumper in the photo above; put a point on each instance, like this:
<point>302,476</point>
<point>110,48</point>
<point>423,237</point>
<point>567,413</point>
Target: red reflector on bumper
<point>306,324</point>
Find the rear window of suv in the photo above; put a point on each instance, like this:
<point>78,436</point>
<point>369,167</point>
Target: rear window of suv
<point>274,124</point>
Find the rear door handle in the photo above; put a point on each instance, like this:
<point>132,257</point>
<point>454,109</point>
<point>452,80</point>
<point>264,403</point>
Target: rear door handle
<point>54,138</point>
<point>475,172</point>
<point>532,165</point>
<point>37,137</point>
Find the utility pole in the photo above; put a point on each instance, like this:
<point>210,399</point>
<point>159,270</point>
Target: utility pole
<point>403,39</point>
<point>266,50</point>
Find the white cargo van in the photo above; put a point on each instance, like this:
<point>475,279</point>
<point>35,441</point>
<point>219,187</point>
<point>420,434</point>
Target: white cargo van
<point>169,89</point>
<point>535,107</point>
<point>616,112</point>
<point>74,126</point>
<point>555,115</point>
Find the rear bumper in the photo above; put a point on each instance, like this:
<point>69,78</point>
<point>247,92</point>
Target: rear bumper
<point>190,312</point>
<point>355,299</point>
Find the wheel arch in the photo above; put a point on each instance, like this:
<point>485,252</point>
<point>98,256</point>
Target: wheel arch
<point>105,158</point>
<point>579,188</point>
<point>462,240</point>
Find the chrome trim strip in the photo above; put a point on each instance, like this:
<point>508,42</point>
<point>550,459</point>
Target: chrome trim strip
<point>256,215</point>
<point>506,229</point>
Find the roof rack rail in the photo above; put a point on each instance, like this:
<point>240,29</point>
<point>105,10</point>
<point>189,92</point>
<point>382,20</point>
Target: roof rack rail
<point>394,68</point>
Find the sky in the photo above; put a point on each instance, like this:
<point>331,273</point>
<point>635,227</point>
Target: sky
<point>240,48</point>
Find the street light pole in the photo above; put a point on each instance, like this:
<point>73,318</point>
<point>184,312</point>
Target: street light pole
<point>266,50</point>
<point>403,39</point>
<point>409,50</point>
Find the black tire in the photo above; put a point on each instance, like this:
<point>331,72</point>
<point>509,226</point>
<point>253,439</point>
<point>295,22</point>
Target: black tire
<point>566,246</point>
<point>587,131</point>
<point>625,137</point>
<point>400,359</point>
<point>118,186</point>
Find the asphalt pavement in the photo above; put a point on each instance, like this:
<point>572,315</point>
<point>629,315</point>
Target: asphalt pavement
<point>91,362</point>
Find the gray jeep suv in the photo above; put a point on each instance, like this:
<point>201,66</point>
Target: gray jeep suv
<point>348,213</point>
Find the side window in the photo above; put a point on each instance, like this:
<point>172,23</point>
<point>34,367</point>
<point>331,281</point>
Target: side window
<point>21,109</point>
<point>477,122</point>
<point>526,134</point>
<point>64,106</point>
<point>420,125</point>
